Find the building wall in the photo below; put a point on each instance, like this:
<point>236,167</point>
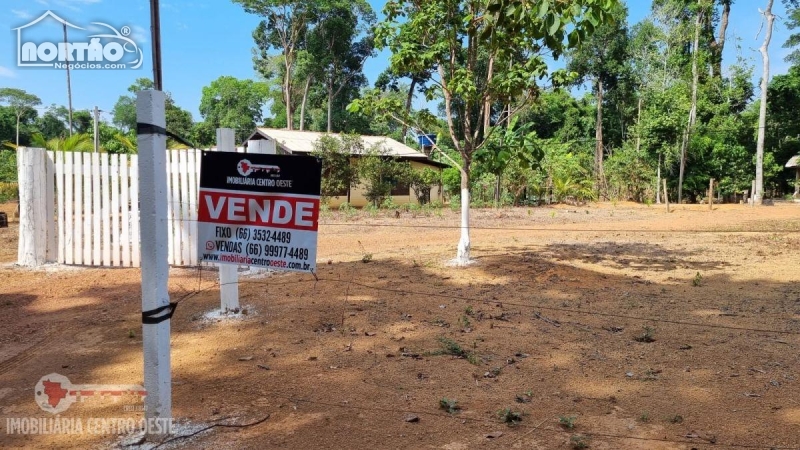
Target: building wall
<point>358,200</point>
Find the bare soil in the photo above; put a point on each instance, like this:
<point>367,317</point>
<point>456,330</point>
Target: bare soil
<point>615,326</point>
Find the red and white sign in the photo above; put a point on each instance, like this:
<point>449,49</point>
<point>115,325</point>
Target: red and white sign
<point>263,212</point>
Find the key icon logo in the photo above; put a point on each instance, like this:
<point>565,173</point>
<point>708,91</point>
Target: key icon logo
<point>54,393</point>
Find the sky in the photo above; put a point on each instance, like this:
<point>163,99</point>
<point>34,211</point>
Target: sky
<point>205,39</point>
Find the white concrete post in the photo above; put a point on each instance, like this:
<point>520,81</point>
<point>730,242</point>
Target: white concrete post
<point>154,241</point>
<point>228,274</point>
<point>31,170</point>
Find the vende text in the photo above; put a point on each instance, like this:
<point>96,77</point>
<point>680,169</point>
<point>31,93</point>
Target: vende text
<point>279,211</point>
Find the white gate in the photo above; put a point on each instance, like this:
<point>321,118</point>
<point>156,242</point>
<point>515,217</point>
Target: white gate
<point>95,197</point>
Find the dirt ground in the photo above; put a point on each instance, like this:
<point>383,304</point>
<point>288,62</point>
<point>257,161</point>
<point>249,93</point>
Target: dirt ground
<point>611,326</point>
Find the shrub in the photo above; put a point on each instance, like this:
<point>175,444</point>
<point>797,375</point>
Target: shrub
<point>8,192</point>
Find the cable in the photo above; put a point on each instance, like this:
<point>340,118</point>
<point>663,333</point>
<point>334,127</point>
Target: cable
<point>221,425</point>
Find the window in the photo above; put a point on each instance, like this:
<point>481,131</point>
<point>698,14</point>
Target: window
<point>401,189</point>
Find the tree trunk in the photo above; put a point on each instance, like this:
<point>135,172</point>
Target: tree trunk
<point>462,254</point>
<point>693,109</point>
<point>287,96</point>
<point>330,104</point>
<point>487,105</point>
<point>718,45</point>
<point>762,115</point>
<point>658,181</point>
<point>409,99</point>
<point>497,185</point>
<point>639,128</point>
<point>598,137</point>
<point>303,105</point>
<point>18,115</point>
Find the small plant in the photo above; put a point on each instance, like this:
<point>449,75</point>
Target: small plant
<point>697,281</point>
<point>647,336</point>
<point>469,311</point>
<point>567,422</point>
<point>645,417</point>
<point>496,371</point>
<point>451,347</point>
<point>131,334</point>
<point>464,322</point>
<point>510,417</point>
<point>676,419</point>
<point>579,441</point>
<point>450,405</point>
<point>366,258</point>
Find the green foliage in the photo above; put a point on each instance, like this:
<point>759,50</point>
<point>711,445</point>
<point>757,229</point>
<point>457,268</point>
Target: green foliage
<point>567,422</point>
<point>8,166</point>
<point>421,182</point>
<point>449,405</point>
<point>338,173</point>
<point>509,416</point>
<point>232,103</point>
<point>379,173</point>
<point>8,191</point>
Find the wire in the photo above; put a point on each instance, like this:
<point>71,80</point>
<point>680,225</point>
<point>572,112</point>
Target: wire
<point>221,425</point>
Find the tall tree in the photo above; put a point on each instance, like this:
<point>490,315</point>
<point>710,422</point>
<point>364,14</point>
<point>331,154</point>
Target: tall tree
<point>179,120</point>
<point>603,60</point>
<point>339,44</point>
<point>762,114</point>
<point>20,101</point>
<point>232,103</point>
<point>456,38</point>
<point>284,29</point>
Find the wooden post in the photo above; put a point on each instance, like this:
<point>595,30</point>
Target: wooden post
<point>753,194</point>
<point>155,268</point>
<point>228,274</point>
<point>31,170</point>
<point>666,194</point>
<point>711,195</point>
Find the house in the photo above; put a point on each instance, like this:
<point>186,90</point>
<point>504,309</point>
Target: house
<point>302,143</point>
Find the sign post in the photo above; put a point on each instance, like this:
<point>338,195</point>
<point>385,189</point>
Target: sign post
<point>228,275</point>
<point>156,308</point>
<point>260,210</point>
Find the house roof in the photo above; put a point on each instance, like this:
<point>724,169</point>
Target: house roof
<point>303,142</point>
<point>794,161</point>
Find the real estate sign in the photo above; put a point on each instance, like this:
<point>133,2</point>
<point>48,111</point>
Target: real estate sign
<point>259,210</point>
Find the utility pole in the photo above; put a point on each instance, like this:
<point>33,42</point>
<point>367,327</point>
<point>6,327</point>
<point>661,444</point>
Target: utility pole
<point>69,83</point>
<point>96,129</point>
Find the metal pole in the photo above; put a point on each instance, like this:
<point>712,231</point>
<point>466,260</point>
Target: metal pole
<point>69,84</point>
<point>155,31</point>
<point>96,129</point>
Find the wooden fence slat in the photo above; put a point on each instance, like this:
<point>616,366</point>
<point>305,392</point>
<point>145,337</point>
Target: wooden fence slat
<point>171,237</point>
<point>136,249</point>
<point>115,238</point>
<point>192,180</point>
<point>69,195</point>
<point>96,211</point>
<point>87,208</point>
<point>105,182</point>
<point>125,237</point>
<point>52,241</point>
<point>77,217</point>
<point>183,157</point>
<point>175,230</point>
<point>60,202</point>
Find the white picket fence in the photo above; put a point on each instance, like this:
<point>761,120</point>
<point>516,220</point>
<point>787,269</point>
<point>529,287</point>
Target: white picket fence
<point>93,214</point>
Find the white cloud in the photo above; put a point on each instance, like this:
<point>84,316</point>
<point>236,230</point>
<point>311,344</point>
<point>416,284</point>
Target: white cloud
<point>140,34</point>
<point>22,14</point>
<point>6,72</point>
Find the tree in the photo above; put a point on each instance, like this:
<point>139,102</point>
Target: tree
<point>380,173</point>
<point>459,39</point>
<point>284,29</point>
<point>762,115</point>
<point>179,121</point>
<point>602,59</point>
<point>333,47</point>
<point>50,123</point>
<point>20,101</point>
<point>338,174</point>
<point>232,103</point>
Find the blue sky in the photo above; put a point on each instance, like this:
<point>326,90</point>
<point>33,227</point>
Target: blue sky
<point>203,40</point>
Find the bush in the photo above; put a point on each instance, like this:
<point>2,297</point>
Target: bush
<point>8,166</point>
<point>8,192</point>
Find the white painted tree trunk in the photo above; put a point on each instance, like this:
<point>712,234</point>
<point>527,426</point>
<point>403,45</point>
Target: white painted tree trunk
<point>762,114</point>
<point>462,254</point>
<point>155,267</point>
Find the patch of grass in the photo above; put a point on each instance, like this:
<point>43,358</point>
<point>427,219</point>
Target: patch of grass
<point>697,281</point>
<point>131,334</point>
<point>366,258</point>
<point>644,417</point>
<point>567,422</point>
<point>450,405</point>
<point>676,419</point>
<point>469,311</point>
<point>579,441</point>
<point>509,416</point>
<point>647,336</point>
<point>464,321</point>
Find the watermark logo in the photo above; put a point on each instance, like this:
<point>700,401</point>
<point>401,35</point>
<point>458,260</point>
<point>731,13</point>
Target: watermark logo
<point>110,48</point>
<point>54,393</point>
